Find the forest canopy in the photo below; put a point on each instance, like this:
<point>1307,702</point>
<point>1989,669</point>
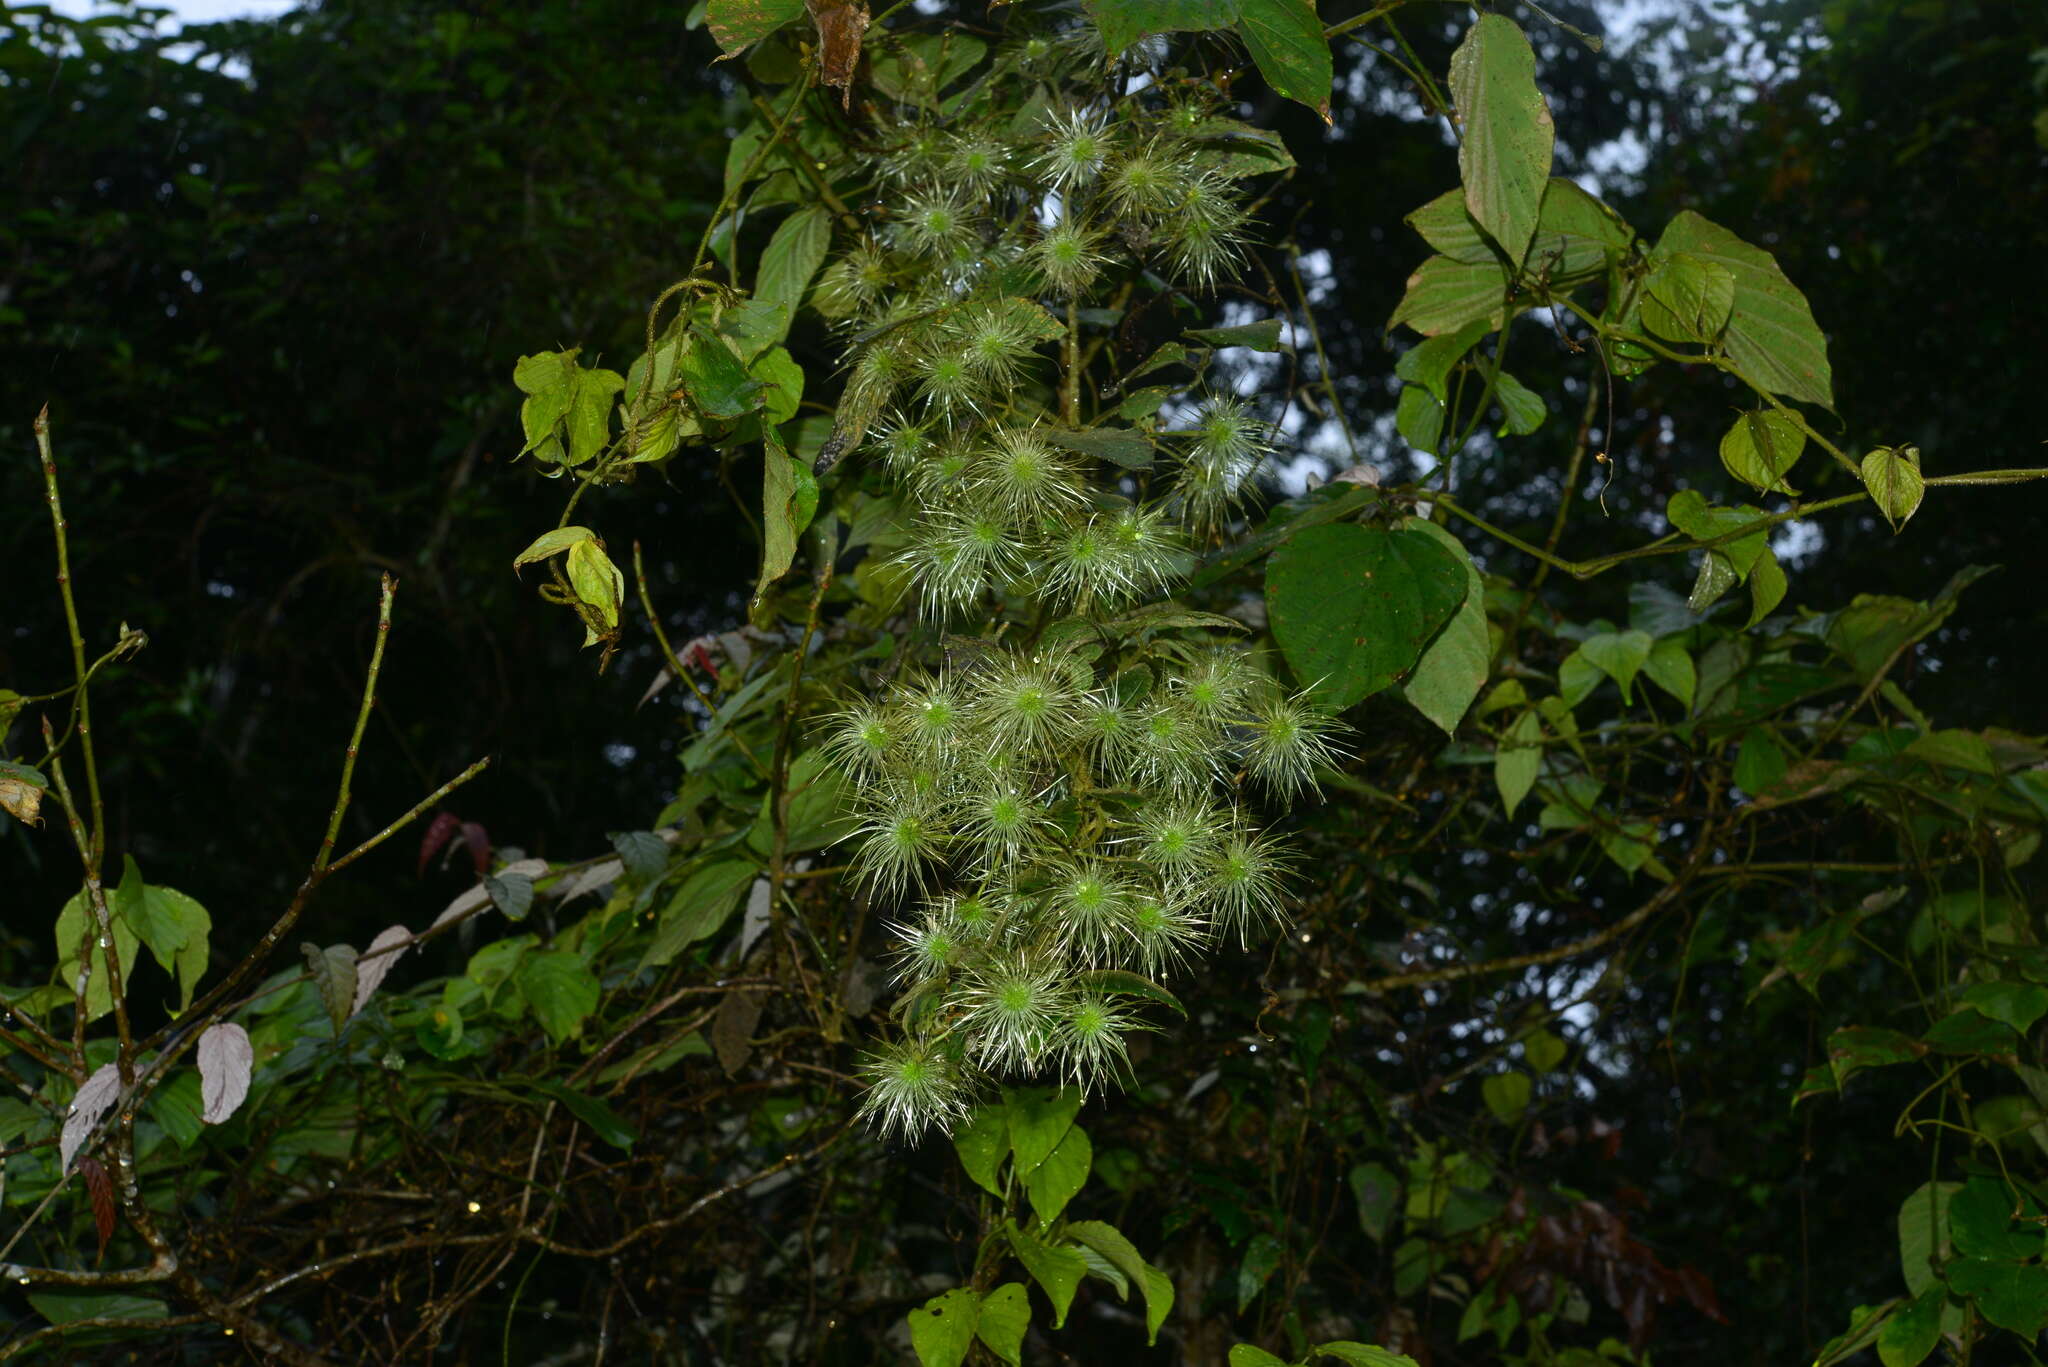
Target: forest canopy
<point>1144,680</point>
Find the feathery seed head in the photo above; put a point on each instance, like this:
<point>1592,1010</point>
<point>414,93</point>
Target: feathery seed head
<point>1286,741</point>
<point>925,948</point>
<point>1247,883</point>
<point>898,837</point>
<point>859,740</point>
<point>1148,183</point>
<point>1069,257</point>
<point>1026,477</point>
<point>1077,144</point>
<point>913,1086</point>
<point>1092,1047</point>
<point>1011,1011</point>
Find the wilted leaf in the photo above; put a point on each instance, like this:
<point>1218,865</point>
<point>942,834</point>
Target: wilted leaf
<point>378,960</point>
<point>94,1098</point>
<point>334,977</point>
<point>99,1189</point>
<point>438,833</point>
<point>226,1060</point>
<point>21,790</point>
<point>840,26</point>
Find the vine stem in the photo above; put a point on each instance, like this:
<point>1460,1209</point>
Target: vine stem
<point>325,854</point>
<point>82,705</point>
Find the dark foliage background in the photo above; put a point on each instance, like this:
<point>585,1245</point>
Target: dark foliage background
<point>272,293</point>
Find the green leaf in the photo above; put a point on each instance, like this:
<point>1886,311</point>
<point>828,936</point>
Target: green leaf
<point>176,1107</point>
<point>644,854</point>
<point>1251,1355</point>
<point>1771,337</point>
<point>1262,1258</point>
<point>333,970</point>
<point>942,1330</point>
<point>174,927</point>
<point>1892,475</point>
<point>1688,298</point>
<point>792,257</point>
<point>1002,1320</point>
<point>1263,335</point>
<point>1766,587</point>
<point>1856,1047</point>
<point>560,987</point>
<point>2017,1004</point>
<point>1158,1289</point>
<point>1670,667</point>
<point>1966,1032</point>
<point>1522,409</point>
<point>597,582</point>
<point>1124,22</point>
<point>1924,1233</point>
<point>2011,1295</point>
<point>590,411</point>
<point>1039,1121</point>
<point>1507,1096</point>
<point>1543,1050</point>
<point>1377,1192</point>
<point>1620,655</point>
<point>1114,1249</point>
<point>1517,759</point>
<point>783,379</point>
<point>1057,1270</point>
<point>1453,667</point>
<point>1449,229</point>
<point>1504,155</point>
<point>1444,295</point>
<point>1761,449</point>
<point>1363,1354</point>
<point>1117,445</point>
<point>604,1122</point>
<point>789,496</point>
<point>716,378</point>
<point>1286,41</point>
<point>1419,418</point>
<point>1429,362</point>
<point>68,1307</point>
<point>698,908</point>
<point>739,24</point>
<point>981,1144</point>
<point>1577,236</point>
<point>553,543</point>
<point>1055,1181</point>
<point>1912,1330</point>
<point>1981,1218</point>
<point>1760,762</point>
<point>1353,607</point>
<point>1955,749</point>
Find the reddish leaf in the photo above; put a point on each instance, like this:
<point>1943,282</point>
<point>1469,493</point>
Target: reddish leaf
<point>840,26</point>
<point>100,1187</point>
<point>479,841</point>
<point>439,830</point>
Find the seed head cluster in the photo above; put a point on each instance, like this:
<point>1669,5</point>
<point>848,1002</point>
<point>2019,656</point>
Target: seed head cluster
<point>1065,811</point>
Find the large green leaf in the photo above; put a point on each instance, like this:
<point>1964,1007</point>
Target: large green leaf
<point>1039,1119</point>
<point>981,1144</point>
<point>1688,298</point>
<point>1444,295</point>
<point>1577,236</point>
<point>1003,1318</point>
<point>2011,1295</point>
<point>1124,22</point>
<point>1354,607</point>
<point>1924,1233</point>
<point>1057,1269</point>
<point>1771,336</point>
<point>1911,1332</point>
<point>1517,760</point>
<point>1504,154</point>
<point>789,496</point>
<point>698,908</point>
<point>1453,668</point>
<point>739,24</point>
<point>560,987</point>
<point>942,1329</point>
<point>1761,449</point>
<point>1286,41</point>
<point>1061,1176</point>
<point>792,257</point>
